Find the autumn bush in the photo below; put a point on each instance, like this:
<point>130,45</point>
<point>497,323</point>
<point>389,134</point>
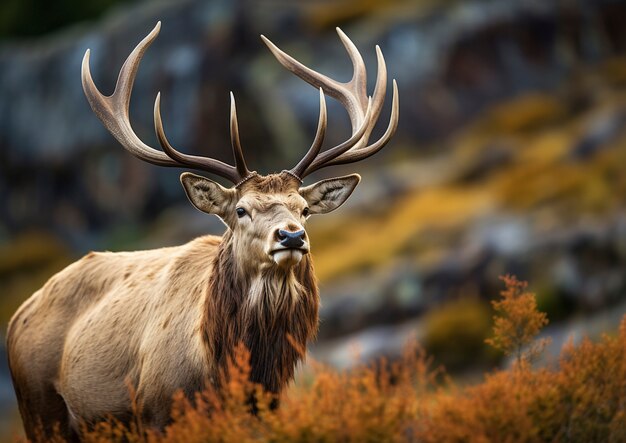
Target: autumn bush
<point>517,322</point>
<point>580,398</point>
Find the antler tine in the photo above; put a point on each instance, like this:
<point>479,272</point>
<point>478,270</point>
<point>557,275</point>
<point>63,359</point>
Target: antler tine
<point>203,163</point>
<point>343,92</point>
<point>360,154</point>
<point>363,111</point>
<point>358,83</point>
<point>240,162</point>
<point>330,154</point>
<point>332,87</point>
<point>315,148</point>
<point>113,111</point>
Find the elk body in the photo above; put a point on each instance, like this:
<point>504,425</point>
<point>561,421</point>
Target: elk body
<point>168,319</point>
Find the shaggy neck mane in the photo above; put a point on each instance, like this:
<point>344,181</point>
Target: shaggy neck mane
<point>273,312</point>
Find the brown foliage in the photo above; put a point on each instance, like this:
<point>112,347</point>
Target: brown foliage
<point>582,399</point>
<point>517,322</point>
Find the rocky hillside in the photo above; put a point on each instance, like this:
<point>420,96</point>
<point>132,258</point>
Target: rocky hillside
<point>509,156</point>
<point>61,170</point>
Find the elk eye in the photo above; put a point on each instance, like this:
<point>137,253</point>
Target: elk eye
<point>241,212</point>
<point>305,212</point>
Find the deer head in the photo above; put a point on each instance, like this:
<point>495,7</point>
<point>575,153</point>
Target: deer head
<point>266,214</point>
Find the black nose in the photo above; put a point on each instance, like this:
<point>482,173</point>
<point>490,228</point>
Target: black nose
<point>290,239</point>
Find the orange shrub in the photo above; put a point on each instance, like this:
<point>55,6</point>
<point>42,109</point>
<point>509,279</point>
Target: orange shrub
<point>582,399</point>
<point>517,322</point>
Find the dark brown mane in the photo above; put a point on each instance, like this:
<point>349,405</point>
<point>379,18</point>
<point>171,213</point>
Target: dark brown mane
<point>264,328</point>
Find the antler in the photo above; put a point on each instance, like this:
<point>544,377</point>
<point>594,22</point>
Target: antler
<point>363,111</point>
<point>113,112</point>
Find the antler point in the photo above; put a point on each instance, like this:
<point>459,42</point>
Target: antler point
<point>271,46</point>
<point>86,59</point>
<point>85,66</point>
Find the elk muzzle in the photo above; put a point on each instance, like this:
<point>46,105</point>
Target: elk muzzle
<point>289,246</point>
<point>290,239</point>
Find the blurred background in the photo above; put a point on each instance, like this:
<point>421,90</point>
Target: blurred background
<point>509,156</point>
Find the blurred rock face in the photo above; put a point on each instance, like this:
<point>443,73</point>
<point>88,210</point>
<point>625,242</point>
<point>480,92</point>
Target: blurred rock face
<point>58,160</point>
<point>505,159</point>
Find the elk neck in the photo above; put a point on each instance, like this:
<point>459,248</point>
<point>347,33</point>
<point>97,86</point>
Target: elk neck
<point>273,312</point>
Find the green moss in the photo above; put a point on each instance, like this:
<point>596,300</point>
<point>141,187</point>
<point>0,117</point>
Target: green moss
<point>456,332</point>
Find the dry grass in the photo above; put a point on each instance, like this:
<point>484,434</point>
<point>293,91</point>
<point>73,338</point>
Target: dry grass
<point>582,398</point>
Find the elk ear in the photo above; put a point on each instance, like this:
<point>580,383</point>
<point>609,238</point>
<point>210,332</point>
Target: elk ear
<point>207,195</point>
<point>327,195</point>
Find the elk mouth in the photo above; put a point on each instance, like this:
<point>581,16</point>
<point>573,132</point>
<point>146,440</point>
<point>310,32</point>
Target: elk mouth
<point>301,250</point>
<point>287,257</point>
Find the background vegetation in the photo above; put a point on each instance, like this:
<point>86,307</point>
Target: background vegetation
<point>581,397</point>
<point>509,159</point>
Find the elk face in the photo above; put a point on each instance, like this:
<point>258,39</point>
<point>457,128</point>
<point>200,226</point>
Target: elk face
<point>267,214</point>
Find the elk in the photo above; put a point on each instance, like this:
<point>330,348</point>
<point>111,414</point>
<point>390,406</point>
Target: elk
<point>168,319</point>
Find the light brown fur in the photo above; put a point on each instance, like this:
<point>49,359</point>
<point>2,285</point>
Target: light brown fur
<point>168,319</point>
